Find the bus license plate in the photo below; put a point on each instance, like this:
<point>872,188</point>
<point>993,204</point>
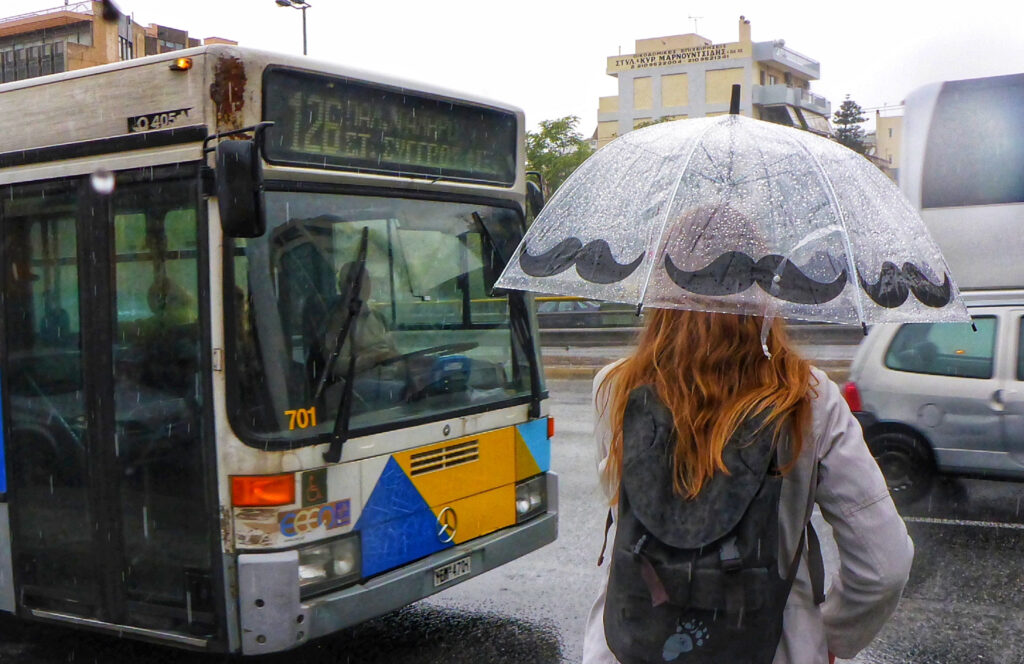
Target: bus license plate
<point>451,571</point>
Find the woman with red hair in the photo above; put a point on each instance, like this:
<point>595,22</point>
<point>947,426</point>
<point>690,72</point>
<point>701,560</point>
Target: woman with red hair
<point>712,375</point>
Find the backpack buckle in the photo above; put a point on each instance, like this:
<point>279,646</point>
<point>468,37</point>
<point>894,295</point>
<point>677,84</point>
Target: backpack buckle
<point>729,555</point>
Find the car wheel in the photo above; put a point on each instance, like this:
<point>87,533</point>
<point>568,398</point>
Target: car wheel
<point>905,463</point>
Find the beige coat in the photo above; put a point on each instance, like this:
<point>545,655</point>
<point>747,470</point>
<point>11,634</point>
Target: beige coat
<point>875,551</point>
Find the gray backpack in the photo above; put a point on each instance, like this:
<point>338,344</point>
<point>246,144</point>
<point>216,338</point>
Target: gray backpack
<point>697,581</point>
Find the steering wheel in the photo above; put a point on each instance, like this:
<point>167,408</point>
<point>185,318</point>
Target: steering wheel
<point>443,349</point>
<point>417,373</point>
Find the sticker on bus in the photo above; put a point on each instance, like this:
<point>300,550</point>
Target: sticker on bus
<point>155,121</point>
<point>299,522</point>
<point>301,418</point>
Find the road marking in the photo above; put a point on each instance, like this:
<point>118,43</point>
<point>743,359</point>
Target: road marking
<point>963,522</point>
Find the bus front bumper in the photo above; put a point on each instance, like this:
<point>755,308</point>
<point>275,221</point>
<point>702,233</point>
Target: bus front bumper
<point>275,621</point>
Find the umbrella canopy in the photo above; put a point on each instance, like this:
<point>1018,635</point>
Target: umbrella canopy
<point>737,215</point>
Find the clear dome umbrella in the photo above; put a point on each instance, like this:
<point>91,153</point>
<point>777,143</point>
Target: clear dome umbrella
<point>736,215</point>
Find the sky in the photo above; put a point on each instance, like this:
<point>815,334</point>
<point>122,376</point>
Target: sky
<point>548,57</point>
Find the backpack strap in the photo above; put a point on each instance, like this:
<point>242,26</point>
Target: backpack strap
<point>604,543</point>
<point>809,536</point>
<point>815,564</point>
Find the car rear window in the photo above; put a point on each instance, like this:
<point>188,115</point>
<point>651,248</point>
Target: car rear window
<point>944,349</point>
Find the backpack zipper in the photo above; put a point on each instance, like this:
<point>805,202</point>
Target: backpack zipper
<point>639,546</point>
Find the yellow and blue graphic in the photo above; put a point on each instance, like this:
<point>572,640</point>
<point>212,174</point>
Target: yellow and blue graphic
<point>474,476</point>
<point>533,449</point>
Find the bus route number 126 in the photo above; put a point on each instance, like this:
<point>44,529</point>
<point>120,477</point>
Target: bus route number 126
<point>301,418</point>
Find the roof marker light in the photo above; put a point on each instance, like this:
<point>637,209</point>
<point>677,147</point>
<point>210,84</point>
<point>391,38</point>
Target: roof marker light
<point>181,64</point>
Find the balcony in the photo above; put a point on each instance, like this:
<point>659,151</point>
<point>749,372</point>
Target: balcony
<point>45,18</point>
<point>777,53</point>
<point>776,95</point>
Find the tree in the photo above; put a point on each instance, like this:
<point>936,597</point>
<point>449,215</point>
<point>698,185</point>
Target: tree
<point>848,130</point>
<point>556,150</point>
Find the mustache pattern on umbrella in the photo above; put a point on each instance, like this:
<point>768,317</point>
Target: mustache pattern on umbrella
<point>594,261</point>
<point>734,272</point>
<point>895,284</point>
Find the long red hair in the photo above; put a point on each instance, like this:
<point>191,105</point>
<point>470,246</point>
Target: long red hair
<point>710,371</point>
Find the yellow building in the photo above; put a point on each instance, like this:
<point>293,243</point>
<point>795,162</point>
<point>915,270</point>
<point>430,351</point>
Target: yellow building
<point>690,76</point>
<point>74,36</point>
<point>888,134</point>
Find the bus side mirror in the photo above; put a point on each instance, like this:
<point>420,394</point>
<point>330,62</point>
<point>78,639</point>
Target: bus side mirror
<point>239,189</point>
<point>534,199</point>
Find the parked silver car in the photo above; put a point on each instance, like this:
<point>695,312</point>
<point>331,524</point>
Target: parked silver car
<point>944,398</point>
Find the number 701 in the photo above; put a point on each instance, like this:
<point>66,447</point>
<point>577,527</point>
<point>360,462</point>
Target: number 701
<point>301,418</point>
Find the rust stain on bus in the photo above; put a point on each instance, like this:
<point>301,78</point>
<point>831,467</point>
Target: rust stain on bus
<point>228,92</point>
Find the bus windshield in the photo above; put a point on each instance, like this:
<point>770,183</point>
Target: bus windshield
<point>430,339</point>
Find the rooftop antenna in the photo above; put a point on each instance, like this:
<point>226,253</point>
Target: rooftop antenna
<point>695,19</point>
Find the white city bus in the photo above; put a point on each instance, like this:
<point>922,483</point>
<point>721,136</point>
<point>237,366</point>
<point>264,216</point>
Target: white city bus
<point>962,166</point>
<point>255,384</point>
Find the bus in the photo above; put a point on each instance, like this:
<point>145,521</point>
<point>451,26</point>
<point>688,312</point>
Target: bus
<point>962,166</point>
<point>256,385</point>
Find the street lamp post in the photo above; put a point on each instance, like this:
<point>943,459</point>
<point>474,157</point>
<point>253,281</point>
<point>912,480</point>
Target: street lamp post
<point>298,4</point>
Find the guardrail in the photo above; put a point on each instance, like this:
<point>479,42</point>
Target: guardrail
<point>806,334</point>
<point>82,7</point>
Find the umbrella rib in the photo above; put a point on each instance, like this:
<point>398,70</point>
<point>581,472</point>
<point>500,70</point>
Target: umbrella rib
<point>831,192</point>
<point>714,164</point>
<point>771,190</point>
<point>668,210</point>
<point>753,178</point>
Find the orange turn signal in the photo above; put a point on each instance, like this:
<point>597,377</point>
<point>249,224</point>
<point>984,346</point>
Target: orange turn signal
<point>262,490</point>
<point>181,64</point>
<point>551,427</point>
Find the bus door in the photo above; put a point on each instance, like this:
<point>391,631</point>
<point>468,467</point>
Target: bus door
<point>109,484</point>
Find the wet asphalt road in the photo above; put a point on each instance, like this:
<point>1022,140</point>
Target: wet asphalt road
<point>964,603</point>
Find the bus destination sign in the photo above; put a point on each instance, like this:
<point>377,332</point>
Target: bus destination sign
<point>333,122</point>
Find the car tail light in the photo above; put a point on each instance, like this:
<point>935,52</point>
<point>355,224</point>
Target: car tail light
<point>551,427</point>
<point>852,396</point>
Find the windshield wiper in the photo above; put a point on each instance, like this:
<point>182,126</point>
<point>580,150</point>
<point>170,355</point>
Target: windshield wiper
<point>353,305</point>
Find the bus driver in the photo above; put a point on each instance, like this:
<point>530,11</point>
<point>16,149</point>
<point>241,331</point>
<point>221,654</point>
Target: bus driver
<point>379,376</point>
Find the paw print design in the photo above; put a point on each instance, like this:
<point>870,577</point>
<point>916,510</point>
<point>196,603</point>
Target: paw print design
<point>689,635</point>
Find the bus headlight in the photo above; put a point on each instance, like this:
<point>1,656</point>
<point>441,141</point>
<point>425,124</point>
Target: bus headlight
<point>531,498</point>
<point>313,564</point>
<point>329,565</point>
